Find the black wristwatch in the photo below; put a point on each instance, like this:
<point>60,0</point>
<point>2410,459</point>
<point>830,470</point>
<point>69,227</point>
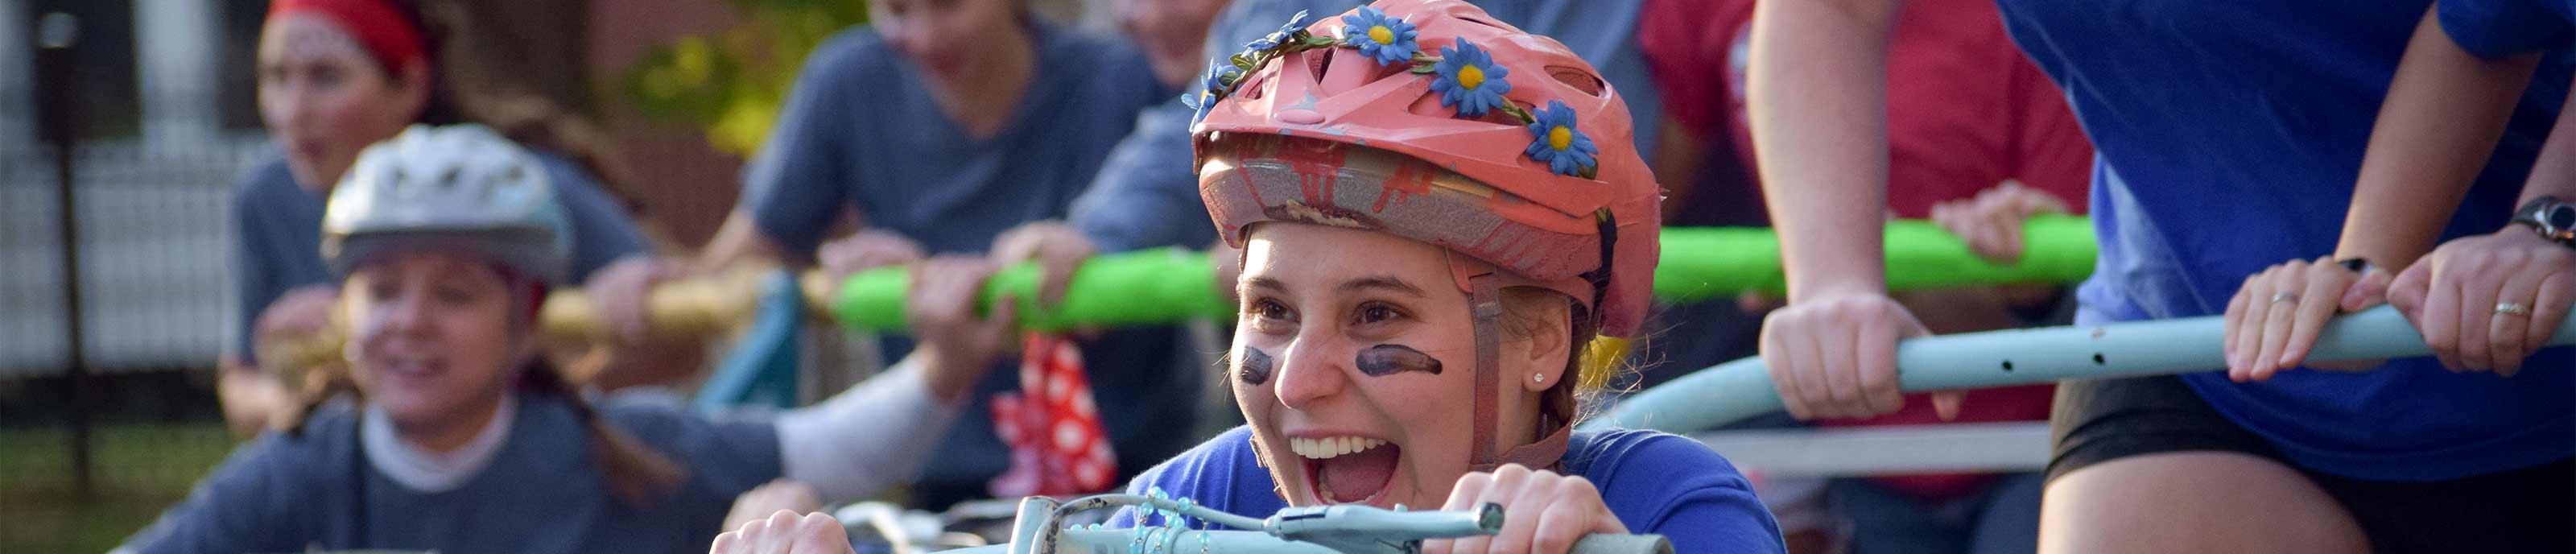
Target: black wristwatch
<point>2554,220</point>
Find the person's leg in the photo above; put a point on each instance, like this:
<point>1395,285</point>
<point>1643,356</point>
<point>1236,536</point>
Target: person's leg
<point>2204,501</point>
<point>2144,465</point>
<point>1882,521</point>
<point>2007,520</point>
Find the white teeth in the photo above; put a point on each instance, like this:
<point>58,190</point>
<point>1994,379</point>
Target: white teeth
<point>1326,448</point>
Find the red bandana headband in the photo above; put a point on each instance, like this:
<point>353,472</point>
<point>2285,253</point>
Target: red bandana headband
<point>393,40</point>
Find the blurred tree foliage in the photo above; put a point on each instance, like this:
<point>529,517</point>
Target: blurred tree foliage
<point>733,82</point>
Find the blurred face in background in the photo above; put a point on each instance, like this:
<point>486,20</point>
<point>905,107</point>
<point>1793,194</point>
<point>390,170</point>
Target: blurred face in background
<point>325,98</point>
<point>1172,33</point>
<point>436,337</point>
<point>947,38</point>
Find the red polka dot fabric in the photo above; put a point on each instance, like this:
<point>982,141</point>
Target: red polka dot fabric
<point>1052,426</point>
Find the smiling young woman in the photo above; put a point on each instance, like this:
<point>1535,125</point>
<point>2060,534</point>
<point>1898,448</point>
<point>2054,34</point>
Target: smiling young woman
<point>445,430</point>
<point>1447,238</point>
<point>336,76</point>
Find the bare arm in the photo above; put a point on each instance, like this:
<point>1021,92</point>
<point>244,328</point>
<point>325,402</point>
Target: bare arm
<point>250,398</point>
<point>2445,111</point>
<point>740,241</point>
<point>1817,103</point>
<point>2554,174</point>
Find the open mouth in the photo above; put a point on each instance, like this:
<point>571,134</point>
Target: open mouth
<point>408,368</point>
<point>1348,469</point>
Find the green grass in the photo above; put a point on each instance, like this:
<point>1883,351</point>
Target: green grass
<point>138,470</point>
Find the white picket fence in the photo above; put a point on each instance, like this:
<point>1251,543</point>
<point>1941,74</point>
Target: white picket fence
<point>153,227</point>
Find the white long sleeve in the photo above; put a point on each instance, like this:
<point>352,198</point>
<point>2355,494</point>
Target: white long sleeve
<point>881,431</point>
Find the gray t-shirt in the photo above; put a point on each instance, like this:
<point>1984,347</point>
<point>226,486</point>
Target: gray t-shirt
<point>542,493</point>
<point>861,130</point>
<point>277,237</point>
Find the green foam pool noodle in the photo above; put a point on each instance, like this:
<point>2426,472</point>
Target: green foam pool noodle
<point>1171,285</point>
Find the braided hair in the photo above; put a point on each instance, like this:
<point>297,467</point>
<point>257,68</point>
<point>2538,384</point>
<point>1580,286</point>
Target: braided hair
<point>634,472</point>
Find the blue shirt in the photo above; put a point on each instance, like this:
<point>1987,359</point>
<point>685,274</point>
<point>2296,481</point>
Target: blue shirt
<point>1148,194</point>
<point>1656,483</point>
<point>2499,28</point>
<point>2228,136</point>
<point>542,493</point>
<point>862,130</point>
<point>277,236</point>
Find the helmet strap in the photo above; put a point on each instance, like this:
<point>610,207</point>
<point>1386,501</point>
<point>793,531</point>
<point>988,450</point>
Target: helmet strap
<point>1485,306</point>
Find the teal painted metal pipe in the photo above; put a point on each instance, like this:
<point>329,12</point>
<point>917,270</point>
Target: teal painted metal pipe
<point>1740,389</point>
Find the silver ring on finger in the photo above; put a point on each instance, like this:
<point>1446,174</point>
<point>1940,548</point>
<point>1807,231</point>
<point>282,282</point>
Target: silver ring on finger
<point>2513,308</point>
<point>2285,296</point>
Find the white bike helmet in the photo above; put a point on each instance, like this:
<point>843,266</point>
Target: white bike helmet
<point>458,187</point>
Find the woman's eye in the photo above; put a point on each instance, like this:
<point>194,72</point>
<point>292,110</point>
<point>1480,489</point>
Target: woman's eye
<point>1264,312</point>
<point>453,295</point>
<point>325,75</point>
<point>1269,309</point>
<point>1373,313</point>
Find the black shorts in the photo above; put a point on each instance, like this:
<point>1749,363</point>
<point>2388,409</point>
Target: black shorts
<point>2523,510</point>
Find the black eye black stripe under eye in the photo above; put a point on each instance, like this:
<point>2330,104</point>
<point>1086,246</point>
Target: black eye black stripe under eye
<point>1389,359</point>
<point>1254,367</point>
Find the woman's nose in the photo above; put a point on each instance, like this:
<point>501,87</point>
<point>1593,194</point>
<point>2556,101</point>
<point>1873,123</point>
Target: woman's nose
<point>285,104</point>
<point>1311,371</point>
<point>406,313</point>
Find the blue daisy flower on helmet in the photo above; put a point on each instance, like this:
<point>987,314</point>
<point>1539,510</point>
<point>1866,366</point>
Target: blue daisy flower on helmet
<point>1377,35</point>
<point>1286,33</point>
<point>1219,81</point>
<point>1469,80</point>
<point>1565,150</point>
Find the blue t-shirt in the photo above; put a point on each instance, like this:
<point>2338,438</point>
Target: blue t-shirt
<point>2228,136</point>
<point>541,493</point>
<point>1656,483</point>
<point>1147,195</point>
<point>277,236</point>
<point>2499,28</point>
<point>862,130</point>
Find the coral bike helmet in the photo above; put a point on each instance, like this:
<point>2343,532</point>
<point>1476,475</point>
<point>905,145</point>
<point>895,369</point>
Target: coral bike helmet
<point>1430,120</point>
<point>458,187</point>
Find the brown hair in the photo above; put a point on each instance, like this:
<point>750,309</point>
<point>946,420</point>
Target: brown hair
<point>1526,313</point>
<point>459,94</point>
<point>637,474</point>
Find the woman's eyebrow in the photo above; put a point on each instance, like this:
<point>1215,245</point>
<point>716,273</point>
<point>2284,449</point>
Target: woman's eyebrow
<point>1264,283</point>
<point>1381,282</point>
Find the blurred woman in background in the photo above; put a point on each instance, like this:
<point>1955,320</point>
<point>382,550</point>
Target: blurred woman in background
<point>334,77</point>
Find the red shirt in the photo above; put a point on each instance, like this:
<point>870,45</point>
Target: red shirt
<point>1966,110</point>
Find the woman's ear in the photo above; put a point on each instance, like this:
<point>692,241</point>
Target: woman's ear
<point>1550,341</point>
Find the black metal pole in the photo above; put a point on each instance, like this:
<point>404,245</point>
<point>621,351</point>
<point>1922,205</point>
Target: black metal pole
<point>56,34</point>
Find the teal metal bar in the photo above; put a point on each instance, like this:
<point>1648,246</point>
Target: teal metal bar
<point>1735,390</point>
<point>761,368</point>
